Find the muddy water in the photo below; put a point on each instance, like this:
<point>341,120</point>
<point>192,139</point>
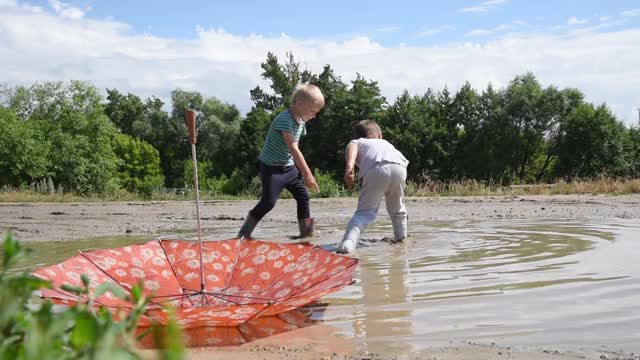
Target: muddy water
<point>532,283</point>
<point>567,284</point>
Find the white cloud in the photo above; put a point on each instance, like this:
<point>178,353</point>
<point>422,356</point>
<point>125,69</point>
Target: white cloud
<point>486,32</point>
<point>483,7</point>
<point>576,21</point>
<point>65,10</point>
<point>43,46</point>
<point>474,9</point>
<point>8,3</point>
<point>13,4</point>
<point>598,27</point>
<point>634,12</point>
<point>434,31</point>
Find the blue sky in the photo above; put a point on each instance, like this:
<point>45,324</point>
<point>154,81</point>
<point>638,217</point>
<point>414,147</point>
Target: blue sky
<point>389,22</point>
<point>215,47</point>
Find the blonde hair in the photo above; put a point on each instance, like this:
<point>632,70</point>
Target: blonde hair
<point>308,93</point>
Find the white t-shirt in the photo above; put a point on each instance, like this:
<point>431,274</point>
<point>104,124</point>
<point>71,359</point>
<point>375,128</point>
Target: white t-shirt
<point>375,151</point>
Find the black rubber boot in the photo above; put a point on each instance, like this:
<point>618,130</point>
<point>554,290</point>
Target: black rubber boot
<point>247,228</point>
<point>306,227</point>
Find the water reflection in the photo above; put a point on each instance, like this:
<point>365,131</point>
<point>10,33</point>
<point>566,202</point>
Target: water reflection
<point>384,285</point>
<point>254,329</point>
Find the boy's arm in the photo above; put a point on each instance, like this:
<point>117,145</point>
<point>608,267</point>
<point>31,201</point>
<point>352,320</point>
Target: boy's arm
<point>298,159</point>
<point>349,171</point>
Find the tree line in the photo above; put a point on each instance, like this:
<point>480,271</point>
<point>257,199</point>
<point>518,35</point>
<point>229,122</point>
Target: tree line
<point>79,141</point>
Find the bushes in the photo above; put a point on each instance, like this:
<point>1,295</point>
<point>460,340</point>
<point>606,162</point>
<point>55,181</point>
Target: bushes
<point>220,185</point>
<point>57,130</point>
<point>23,150</point>
<point>138,165</point>
<point>329,187</point>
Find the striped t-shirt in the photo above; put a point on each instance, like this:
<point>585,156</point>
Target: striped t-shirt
<point>275,151</point>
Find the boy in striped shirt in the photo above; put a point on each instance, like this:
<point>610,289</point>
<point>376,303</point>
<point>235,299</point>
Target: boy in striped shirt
<point>282,165</point>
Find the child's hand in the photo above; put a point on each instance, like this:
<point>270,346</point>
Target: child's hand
<point>349,179</point>
<point>311,184</point>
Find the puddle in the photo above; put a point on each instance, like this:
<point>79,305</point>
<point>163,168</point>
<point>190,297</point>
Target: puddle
<point>512,282</point>
<point>568,284</point>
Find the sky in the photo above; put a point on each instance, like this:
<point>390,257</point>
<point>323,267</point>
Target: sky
<point>150,48</point>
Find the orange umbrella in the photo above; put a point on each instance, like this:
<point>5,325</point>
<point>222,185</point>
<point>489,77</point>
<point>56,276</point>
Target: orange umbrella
<point>243,278</point>
<point>212,283</point>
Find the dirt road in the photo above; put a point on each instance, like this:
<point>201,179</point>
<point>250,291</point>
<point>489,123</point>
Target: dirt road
<point>58,222</point>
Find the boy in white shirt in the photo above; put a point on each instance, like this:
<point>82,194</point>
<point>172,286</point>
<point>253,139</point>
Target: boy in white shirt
<point>382,171</point>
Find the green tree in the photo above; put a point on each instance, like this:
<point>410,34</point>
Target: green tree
<point>632,151</point>
<point>497,138</point>
<point>72,119</point>
<point>472,110</point>
<point>218,129</point>
<point>218,136</point>
<point>138,165</point>
<point>591,145</point>
<point>171,136</point>
<point>24,150</point>
<point>125,112</point>
<point>145,120</point>
<point>408,125</point>
<point>527,111</point>
<point>252,133</point>
<point>567,100</point>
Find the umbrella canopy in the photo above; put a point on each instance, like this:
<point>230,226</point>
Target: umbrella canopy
<point>236,280</point>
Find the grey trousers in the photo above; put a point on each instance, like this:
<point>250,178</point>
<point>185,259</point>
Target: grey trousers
<point>386,180</point>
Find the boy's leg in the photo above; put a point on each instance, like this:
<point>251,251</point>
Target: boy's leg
<point>369,200</point>
<point>394,199</point>
<point>272,185</point>
<point>301,195</point>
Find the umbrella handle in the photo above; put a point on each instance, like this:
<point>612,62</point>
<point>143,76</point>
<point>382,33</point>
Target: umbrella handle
<point>190,121</point>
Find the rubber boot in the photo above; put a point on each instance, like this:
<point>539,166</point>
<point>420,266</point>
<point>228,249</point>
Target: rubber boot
<point>348,246</point>
<point>248,226</point>
<point>350,238</point>
<point>306,227</point>
<point>399,224</point>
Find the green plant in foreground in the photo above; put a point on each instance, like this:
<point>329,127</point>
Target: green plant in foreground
<point>30,331</point>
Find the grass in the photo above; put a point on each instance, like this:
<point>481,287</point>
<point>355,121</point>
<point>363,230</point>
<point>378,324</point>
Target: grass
<point>609,186</point>
<point>429,188</point>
